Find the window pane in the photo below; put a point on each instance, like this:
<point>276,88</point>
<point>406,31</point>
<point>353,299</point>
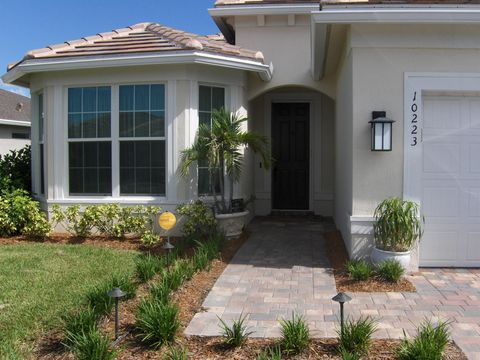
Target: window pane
<point>142,97</point>
<point>157,123</point>
<point>158,180</point>
<point>90,153</point>
<point>103,125</point>
<point>127,154</point>
<point>218,98</point>
<point>205,118</point>
<point>74,126</point>
<point>74,100</point>
<point>104,98</point>
<point>142,154</point>
<point>142,181</point>
<point>89,99</point>
<point>104,154</point>
<point>126,98</point>
<point>89,122</point>
<point>126,124</point>
<point>76,181</point>
<point>142,126</point>
<point>127,181</point>
<point>104,181</point>
<point>157,97</point>
<point>205,98</point>
<point>75,154</point>
<point>158,153</point>
<point>203,181</point>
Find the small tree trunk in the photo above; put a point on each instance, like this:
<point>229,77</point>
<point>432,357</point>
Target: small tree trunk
<point>212,188</point>
<point>231,194</point>
<point>222,183</point>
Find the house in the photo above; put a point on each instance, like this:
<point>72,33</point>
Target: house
<point>111,113</point>
<point>14,121</point>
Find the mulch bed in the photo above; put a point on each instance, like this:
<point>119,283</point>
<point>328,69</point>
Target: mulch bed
<point>338,256</point>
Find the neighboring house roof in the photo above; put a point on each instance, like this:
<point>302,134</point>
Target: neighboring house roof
<point>14,109</point>
<point>141,38</point>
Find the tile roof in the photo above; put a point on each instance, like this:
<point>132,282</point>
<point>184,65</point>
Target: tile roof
<point>14,106</point>
<point>346,2</point>
<point>142,38</point>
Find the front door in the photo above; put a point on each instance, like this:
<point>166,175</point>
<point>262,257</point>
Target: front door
<point>290,150</point>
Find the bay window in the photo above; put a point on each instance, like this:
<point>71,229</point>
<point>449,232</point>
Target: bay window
<point>211,98</point>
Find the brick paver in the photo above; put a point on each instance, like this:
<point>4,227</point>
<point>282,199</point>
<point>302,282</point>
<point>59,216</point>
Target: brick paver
<point>283,268</point>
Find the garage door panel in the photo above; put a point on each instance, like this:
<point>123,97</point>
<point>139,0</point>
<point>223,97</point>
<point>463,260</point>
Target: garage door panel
<point>442,114</point>
<point>442,158</point>
<point>451,182</point>
<point>441,202</point>
<point>473,246</point>
<point>445,245</point>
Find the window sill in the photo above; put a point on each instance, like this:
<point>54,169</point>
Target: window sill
<point>133,200</point>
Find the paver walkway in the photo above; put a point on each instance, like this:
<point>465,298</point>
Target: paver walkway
<point>283,268</point>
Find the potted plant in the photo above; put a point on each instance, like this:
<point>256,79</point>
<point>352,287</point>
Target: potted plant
<point>219,146</point>
<point>397,229</point>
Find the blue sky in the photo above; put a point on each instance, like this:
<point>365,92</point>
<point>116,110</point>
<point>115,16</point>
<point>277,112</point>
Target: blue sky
<point>32,24</point>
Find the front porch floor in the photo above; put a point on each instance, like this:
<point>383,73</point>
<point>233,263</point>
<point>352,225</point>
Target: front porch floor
<point>283,268</point>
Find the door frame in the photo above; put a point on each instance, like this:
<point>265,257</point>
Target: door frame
<point>416,87</point>
<point>300,97</point>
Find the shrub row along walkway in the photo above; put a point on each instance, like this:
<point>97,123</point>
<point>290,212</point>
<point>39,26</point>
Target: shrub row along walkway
<point>283,268</point>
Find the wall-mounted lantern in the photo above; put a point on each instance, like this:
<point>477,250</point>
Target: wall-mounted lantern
<point>381,131</point>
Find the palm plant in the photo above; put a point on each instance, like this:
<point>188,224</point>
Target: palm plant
<point>219,147</point>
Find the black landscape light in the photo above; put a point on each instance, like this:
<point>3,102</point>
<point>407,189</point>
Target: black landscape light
<point>117,294</point>
<point>341,298</point>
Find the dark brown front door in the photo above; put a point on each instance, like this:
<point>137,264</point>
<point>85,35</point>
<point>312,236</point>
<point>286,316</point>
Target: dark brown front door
<point>290,150</point>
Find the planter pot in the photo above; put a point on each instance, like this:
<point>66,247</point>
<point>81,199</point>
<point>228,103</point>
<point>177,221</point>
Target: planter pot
<point>378,256</point>
<point>232,224</point>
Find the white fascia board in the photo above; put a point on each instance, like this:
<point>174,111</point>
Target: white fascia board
<point>61,64</point>
<point>397,15</point>
<point>15,122</point>
<point>242,10</point>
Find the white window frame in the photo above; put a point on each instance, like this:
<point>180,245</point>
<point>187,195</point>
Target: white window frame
<point>142,138</point>
<point>39,137</point>
<point>65,197</point>
<point>83,140</point>
<point>226,89</point>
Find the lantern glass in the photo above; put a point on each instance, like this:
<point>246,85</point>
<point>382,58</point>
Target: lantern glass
<point>387,136</point>
<point>378,136</point>
<point>381,131</point>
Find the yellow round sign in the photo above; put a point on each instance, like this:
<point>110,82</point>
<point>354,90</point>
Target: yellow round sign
<point>167,221</point>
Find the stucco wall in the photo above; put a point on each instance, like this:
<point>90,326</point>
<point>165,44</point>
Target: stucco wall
<point>287,46</point>
<point>382,54</point>
<point>343,149</point>
<point>321,147</point>
<point>6,141</point>
<point>182,84</point>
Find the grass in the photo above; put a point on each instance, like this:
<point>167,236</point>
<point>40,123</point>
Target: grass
<point>360,270</point>
<point>357,336</point>
<point>391,271</point>
<point>236,334</point>
<point>41,282</point>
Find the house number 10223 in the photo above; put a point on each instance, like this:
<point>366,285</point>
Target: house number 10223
<point>414,121</point>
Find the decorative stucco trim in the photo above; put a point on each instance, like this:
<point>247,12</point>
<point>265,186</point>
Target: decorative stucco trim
<point>15,122</point>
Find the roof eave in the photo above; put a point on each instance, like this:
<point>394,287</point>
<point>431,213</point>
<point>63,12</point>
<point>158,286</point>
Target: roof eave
<point>400,15</point>
<point>16,75</point>
<point>278,9</point>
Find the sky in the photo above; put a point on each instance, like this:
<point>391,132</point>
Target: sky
<point>33,24</point>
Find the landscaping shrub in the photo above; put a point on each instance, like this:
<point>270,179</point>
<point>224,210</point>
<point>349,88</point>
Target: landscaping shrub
<point>236,334</point>
<point>200,221</point>
<point>161,291</point>
<point>271,354</point>
<point>108,219</point>
<point>148,265</point>
<point>391,270</point>
<point>16,170</point>
<point>359,269</point>
<point>429,344</point>
<point>21,215</point>
<point>357,335</point>
<point>185,268</point>
<point>98,298</point>
<point>78,323</point>
<point>91,346</point>
<point>349,356</point>
<point>295,334</point>
<point>149,238</point>
<point>157,322</point>
<point>176,353</point>
<point>200,259</point>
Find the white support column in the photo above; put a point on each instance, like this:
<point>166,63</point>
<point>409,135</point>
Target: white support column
<point>171,162</point>
<point>115,143</point>
<point>49,127</point>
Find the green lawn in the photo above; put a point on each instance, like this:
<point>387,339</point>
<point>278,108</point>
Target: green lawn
<point>40,282</point>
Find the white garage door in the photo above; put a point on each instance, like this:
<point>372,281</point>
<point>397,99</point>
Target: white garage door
<point>451,182</point>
